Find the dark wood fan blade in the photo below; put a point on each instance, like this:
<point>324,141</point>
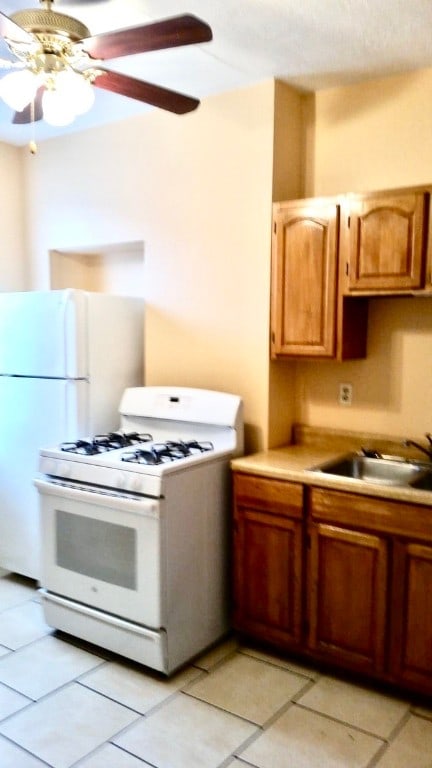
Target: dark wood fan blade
<point>146,92</point>
<point>13,31</point>
<point>28,114</point>
<point>179,30</point>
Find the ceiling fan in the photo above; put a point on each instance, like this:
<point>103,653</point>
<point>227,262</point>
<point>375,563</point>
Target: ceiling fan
<point>55,63</point>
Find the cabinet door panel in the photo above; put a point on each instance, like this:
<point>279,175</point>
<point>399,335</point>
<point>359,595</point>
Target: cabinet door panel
<point>267,576</point>
<point>347,589</point>
<point>386,242</point>
<point>305,251</point>
<point>412,611</point>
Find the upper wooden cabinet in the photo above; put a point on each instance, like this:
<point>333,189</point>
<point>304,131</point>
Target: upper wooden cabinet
<point>305,251</point>
<point>329,255</point>
<point>308,316</point>
<point>385,243</point>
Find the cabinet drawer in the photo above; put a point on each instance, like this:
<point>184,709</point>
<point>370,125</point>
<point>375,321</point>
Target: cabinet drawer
<point>275,496</point>
<point>381,515</point>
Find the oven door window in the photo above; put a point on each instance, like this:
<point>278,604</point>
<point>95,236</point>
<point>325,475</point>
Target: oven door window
<point>96,548</point>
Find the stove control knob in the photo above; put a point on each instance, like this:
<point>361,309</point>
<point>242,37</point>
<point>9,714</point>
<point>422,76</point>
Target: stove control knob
<point>63,469</point>
<point>135,484</point>
<point>121,481</point>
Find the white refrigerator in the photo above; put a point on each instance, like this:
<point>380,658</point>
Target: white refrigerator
<point>65,358</point>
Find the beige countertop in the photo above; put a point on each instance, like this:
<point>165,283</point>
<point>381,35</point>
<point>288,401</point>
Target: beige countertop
<point>294,463</point>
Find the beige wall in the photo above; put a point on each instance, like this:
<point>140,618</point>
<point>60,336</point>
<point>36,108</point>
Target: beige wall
<point>372,136</point>
<point>196,191</point>
<point>13,267</point>
<point>288,183</point>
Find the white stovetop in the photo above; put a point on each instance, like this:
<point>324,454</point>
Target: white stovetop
<point>173,414</point>
<point>107,469</point>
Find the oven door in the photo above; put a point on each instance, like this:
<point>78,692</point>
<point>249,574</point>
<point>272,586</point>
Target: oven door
<point>103,550</point>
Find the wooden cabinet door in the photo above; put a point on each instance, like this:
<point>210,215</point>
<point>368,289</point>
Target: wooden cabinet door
<point>411,635</point>
<point>304,278</point>
<point>268,558</point>
<point>268,574</point>
<point>347,589</point>
<point>386,241</point>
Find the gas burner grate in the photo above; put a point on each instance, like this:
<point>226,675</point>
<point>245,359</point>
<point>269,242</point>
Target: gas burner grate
<point>160,453</point>
<point>112,440</point>
<point>84,447</point>
<point>190,446</point>
<point>107,442</point>
<point>151,456</point>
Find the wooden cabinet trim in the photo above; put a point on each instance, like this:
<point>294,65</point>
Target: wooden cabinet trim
<point>364,512</point>
<point>274,496</point>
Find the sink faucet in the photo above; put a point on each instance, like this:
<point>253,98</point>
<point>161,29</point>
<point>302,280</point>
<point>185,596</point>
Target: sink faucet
<point>422,448</point>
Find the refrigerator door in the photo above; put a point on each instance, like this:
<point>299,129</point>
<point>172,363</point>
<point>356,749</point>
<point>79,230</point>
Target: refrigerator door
<point>43,333</point>
<point>36,413</point>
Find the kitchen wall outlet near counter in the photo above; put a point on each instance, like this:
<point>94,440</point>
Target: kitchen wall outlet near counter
<point>345,394</point>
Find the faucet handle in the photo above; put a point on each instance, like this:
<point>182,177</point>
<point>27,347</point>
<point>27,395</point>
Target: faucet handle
<point>371,453</point>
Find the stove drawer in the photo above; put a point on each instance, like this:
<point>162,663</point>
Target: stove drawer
<point>117,635</point>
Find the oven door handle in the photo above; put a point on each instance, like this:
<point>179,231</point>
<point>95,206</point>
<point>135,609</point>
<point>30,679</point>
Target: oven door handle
<point>142,505</point>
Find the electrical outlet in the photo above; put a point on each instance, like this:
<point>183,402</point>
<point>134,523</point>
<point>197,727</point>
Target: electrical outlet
<point>345,394</point>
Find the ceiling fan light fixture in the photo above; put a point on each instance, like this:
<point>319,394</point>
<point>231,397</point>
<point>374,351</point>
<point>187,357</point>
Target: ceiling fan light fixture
<point>58,55</point>
<point>18,89</point>
<point>67,95</point>
<point>56,108</point>
<point>76,89</point>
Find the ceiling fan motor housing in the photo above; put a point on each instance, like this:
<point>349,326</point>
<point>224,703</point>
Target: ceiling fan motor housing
<point>51,24</point>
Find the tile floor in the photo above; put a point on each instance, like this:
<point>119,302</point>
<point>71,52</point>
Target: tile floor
<point>63,705</point>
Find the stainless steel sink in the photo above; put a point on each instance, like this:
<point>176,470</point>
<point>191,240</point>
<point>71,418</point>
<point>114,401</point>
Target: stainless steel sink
<point>424,482</point>
<point>381,471</point>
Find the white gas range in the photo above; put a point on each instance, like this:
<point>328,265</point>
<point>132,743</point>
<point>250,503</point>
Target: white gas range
<point>135,526</point>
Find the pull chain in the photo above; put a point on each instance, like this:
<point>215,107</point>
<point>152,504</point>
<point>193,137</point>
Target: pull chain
<point>32,144</point>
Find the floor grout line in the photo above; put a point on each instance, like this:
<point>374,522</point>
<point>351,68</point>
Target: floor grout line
<point>26,751</point>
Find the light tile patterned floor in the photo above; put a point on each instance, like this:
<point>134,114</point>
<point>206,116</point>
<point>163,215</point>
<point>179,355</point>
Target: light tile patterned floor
<point>66,706</point>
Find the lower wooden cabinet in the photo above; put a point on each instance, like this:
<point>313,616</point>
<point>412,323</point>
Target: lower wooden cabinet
<point>411,628</point>
<point>343,578</point>
<point>372,564</point>
<point>268,561</point>
<point>347,589</point>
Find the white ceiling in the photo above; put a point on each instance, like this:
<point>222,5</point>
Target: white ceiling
<point>311,44</point>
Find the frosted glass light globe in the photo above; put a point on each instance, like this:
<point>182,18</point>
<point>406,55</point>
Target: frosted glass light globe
<point>56,109</point>
<point>77,89</point>
<point>18,89</point>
